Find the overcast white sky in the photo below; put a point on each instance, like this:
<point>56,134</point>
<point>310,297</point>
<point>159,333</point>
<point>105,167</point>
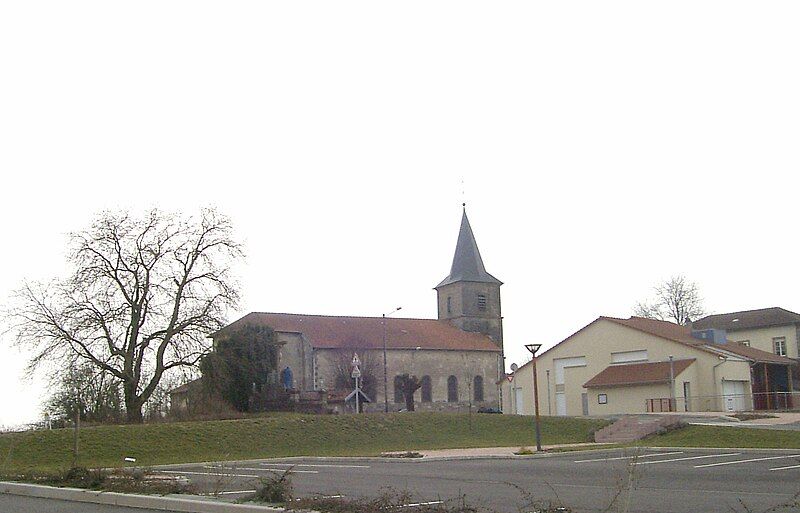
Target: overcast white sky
<point>603,146</point>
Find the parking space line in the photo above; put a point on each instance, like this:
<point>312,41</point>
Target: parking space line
<point>747,461</point>
<point>415,504</point>
<point>688,458</point>
<point>630,457</point>
<point>264,469</point>
<point>190,473</point>
<point>785,468</point>
<point>316,497</point>
<point>313,465</point>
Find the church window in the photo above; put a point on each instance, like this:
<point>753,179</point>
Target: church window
<point>482,302</point>
<point>449,305</point>
<point>398,389</point>
<point>477,387</point>
<point>427,396</point>
<point>452,389</point>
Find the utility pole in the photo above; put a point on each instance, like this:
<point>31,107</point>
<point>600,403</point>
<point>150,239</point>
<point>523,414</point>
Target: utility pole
<point>533,348</point>
<point>385,371</point>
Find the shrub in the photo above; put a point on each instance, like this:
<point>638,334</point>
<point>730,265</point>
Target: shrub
<point>274,489</point>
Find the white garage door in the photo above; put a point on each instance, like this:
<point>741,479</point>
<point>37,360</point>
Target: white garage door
<point>518,404</point>
<point>561,404</point>
<point>733,393</point>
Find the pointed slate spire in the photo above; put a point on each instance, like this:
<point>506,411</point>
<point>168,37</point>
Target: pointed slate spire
<point>467,262</point>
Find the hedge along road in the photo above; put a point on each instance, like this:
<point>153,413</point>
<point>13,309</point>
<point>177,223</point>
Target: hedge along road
<point>663,480</point>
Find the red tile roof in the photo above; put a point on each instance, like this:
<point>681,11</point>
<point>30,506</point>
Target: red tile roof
<point>749,319</point>
<point>683,335</point>
<point>637,374</point>
<point>333,332</point>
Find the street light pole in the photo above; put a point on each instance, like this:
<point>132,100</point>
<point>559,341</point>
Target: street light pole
<point>533,348</point>
<point>385,372</point>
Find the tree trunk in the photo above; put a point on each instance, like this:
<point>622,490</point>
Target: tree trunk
<point>133,405</point>
<point>410,401</point>
<point>134,413</point>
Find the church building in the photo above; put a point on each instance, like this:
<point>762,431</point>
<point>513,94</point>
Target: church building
<point>458,357</point>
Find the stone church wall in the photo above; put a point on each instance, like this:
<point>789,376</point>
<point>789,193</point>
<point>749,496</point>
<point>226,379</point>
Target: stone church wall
<point>438,364</point>
<point>296,354</point>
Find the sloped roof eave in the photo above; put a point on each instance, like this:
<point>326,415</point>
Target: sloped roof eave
<point>628,384</point>
<point>349,332</point>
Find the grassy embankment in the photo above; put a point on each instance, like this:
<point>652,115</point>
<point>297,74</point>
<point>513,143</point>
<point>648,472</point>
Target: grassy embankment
<point>713,436</point>
<point>279,435</point>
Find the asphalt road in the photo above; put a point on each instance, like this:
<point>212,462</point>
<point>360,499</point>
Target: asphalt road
<point>19,504</point>
<point>663,481</point>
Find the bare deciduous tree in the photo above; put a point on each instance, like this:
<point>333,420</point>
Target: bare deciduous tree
<point>87,390</point>
<point>370,370</point>
<point>677,299</point>
<point>142,295</point>
<point>409,385</point>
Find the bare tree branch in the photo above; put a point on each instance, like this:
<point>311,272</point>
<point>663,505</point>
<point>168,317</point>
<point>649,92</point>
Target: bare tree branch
<point>142,296</point>
<point>676,299</point>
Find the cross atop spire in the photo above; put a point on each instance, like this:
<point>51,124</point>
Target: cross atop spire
<point>467,262</point>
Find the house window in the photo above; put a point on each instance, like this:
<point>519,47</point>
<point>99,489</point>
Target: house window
<point>482,302</point>
<point>779,345</point>
<point>449,305</point>
<point>398,390</point>
<point>745,343</point>
<point>452,389</point>
<point>427,395</point>
<point>477,387</point>
<point>602,399</point>
<point>640,355</point>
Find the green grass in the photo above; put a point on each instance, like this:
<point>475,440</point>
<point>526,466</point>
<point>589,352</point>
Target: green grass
<point>279,435</point>
<point>713,436</point>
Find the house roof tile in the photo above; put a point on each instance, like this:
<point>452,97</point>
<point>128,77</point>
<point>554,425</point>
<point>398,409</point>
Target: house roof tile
<point>638,374</point>
<point>335,332</point>
<point>683,335</point>
<point>748,319</point>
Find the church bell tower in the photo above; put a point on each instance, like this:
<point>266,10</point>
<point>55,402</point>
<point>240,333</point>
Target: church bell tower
<point>469,298</point>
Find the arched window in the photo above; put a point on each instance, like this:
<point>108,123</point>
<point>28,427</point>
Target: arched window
<point>477,387</point>
<point>452,389</point>
<point>398,391</point>
<point>427,395</point>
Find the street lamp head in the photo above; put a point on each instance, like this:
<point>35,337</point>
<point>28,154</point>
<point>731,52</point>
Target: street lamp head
<point>533,348</point>
<point>393,311</point>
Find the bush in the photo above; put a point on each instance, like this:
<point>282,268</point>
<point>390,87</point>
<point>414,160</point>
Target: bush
<point>274,489</point>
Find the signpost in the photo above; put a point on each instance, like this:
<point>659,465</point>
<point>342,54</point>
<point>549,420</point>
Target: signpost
<point>356,374</point>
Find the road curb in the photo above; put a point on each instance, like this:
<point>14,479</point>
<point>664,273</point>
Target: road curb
<point>130,500</point>
<point>374,459</point>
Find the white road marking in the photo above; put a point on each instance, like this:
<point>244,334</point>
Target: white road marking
<point>313,465</point>
<point>747,461</point>
<point>785,468</point>
<point>415,504</point>
<point>186,472</point>
<point>688,458</point>
<point>319,497</point>
<point>631,457</point>
<point>264,469</point>
<point>232,492</point>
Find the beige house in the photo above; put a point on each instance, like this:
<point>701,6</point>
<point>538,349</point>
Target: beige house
<point>774,330</point>
<point>639,365</point>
